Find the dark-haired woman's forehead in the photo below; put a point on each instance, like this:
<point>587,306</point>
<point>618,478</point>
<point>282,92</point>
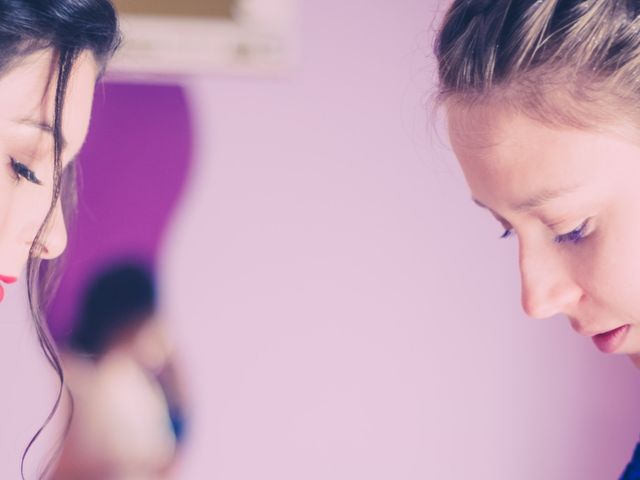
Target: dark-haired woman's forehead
<point>27,94</point>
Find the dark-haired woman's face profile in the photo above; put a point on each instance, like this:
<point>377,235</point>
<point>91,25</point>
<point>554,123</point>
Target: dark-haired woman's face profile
<point>571,198</point>
<point>27,96</point>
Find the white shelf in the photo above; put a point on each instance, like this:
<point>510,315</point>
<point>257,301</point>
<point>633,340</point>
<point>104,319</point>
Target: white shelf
<point>260,39</point>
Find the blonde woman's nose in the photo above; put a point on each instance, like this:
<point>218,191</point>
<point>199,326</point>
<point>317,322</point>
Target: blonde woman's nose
<point>547,287</point>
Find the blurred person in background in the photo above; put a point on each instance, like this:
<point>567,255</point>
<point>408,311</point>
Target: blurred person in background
<point>543,108</point>
<point>129,408</point>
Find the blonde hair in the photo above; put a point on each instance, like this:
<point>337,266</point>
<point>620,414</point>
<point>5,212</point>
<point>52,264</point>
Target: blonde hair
<point>566,62</point>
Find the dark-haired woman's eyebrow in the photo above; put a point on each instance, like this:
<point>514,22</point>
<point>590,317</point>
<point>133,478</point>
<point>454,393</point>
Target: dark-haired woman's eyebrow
<point>43,127</point>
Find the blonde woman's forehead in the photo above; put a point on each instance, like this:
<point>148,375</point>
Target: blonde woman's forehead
<point>516,158</point>
<point>501,136</point>
<point>477,126</point>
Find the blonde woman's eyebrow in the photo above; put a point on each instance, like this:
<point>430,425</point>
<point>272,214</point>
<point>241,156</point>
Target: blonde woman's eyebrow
<point>43,127</point>
<point>537,200</point>
<point>482,205</point>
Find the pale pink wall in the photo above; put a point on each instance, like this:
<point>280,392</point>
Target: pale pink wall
<point>342,310</point>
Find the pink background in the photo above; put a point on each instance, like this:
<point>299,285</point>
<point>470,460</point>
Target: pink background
<point>340,307</point>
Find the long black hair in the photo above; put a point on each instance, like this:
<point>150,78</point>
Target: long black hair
<point>67,28</point>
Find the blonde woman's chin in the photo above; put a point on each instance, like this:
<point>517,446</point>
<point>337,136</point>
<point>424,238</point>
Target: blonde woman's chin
<point>635,358</point>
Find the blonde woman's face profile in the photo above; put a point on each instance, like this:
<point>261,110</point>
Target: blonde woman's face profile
<point>571,199</point>
<point>27,96</point>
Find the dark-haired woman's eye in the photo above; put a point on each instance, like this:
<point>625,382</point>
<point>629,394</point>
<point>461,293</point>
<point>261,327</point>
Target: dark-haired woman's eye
<point>575,235</point>
<point>22,171</point>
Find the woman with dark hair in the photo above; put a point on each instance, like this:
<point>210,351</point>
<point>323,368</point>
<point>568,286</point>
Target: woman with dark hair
<point>52,52</point>
<point>543,108</point>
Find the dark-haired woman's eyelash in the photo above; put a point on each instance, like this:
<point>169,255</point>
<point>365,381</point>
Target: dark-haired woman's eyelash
<point>22,171</point>
<point>574,236</point>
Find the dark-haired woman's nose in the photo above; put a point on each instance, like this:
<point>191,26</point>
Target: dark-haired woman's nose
<point>546,283</point>
<point>55,240</point>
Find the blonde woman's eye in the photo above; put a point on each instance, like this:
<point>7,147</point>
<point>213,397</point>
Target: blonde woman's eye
<point>22,171</point>
<point>575,235</point>
<point>507,233</point>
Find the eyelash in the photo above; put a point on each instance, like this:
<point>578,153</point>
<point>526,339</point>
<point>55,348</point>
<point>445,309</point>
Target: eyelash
<point>574,236</point>
<point>22,171</point>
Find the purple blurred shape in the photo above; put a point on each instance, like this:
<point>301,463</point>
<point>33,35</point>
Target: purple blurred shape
<point>132,170</point>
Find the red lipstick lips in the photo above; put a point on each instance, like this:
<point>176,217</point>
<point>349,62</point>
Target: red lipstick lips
<point>609,342</point>
<point>8,281</point>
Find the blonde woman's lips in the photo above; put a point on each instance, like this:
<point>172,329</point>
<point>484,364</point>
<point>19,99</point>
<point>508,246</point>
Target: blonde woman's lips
<point>609,342</point>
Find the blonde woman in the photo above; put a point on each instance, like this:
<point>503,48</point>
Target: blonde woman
<point>542,100</point>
